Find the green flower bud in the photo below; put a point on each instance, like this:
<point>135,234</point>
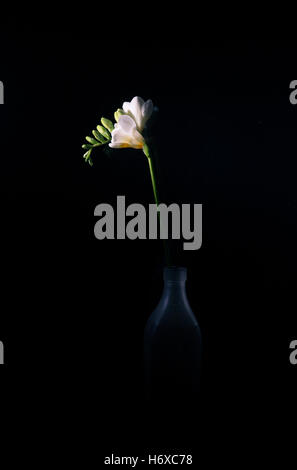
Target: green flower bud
<point>104,132</point>
<point>91,140</point>
<point>98,136</point>
<point>119,112</point>
<point>87,157</point>
<point>87,154</point>
<point>107,123</point>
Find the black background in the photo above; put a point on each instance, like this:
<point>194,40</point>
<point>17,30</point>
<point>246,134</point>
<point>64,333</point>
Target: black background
<point>74,308</point>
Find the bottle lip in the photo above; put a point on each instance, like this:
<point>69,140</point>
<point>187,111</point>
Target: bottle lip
<point>175,273</point>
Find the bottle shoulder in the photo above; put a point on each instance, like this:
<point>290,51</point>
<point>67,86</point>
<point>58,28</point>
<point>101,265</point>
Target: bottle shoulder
<point>172,314</point>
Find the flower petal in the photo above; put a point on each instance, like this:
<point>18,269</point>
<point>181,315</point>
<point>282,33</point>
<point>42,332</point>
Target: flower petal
<point>139,110</point>
<point>120,138</point>
<point>136,104</point>
<point>126,106</point>
<point>135,109</point>
<point>147,109</point>
<point>126,123</point>
<point>137,137</point>
<point>115,145</point>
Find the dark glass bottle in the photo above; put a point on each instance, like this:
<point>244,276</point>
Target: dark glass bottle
<point>172,343</point>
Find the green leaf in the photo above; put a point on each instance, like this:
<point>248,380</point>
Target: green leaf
<point>86,146</point>
<point>91,140</point>
<point>107,124</point>
<point>98,136</point>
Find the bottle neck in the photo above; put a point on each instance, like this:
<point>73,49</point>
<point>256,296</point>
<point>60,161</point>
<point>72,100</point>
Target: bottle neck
<point>175,284</point>
<point>175,292</point>
<point>175,274</point>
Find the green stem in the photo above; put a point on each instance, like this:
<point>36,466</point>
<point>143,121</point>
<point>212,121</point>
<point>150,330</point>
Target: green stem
<point>156,196</point>
<point>153,180</point>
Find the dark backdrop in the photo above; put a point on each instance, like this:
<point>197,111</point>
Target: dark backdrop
<point>74,308</point>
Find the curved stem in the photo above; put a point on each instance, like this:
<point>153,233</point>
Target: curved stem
<point>156,196</point>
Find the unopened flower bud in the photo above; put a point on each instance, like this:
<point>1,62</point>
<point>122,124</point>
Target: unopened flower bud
<point>119,112</point>
<point>107,124</point>
<point>103,131</point>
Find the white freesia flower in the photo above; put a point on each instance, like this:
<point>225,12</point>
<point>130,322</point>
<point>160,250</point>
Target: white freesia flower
<point>127,131</point>
<point>125,134</point>
<point>139,110</point>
